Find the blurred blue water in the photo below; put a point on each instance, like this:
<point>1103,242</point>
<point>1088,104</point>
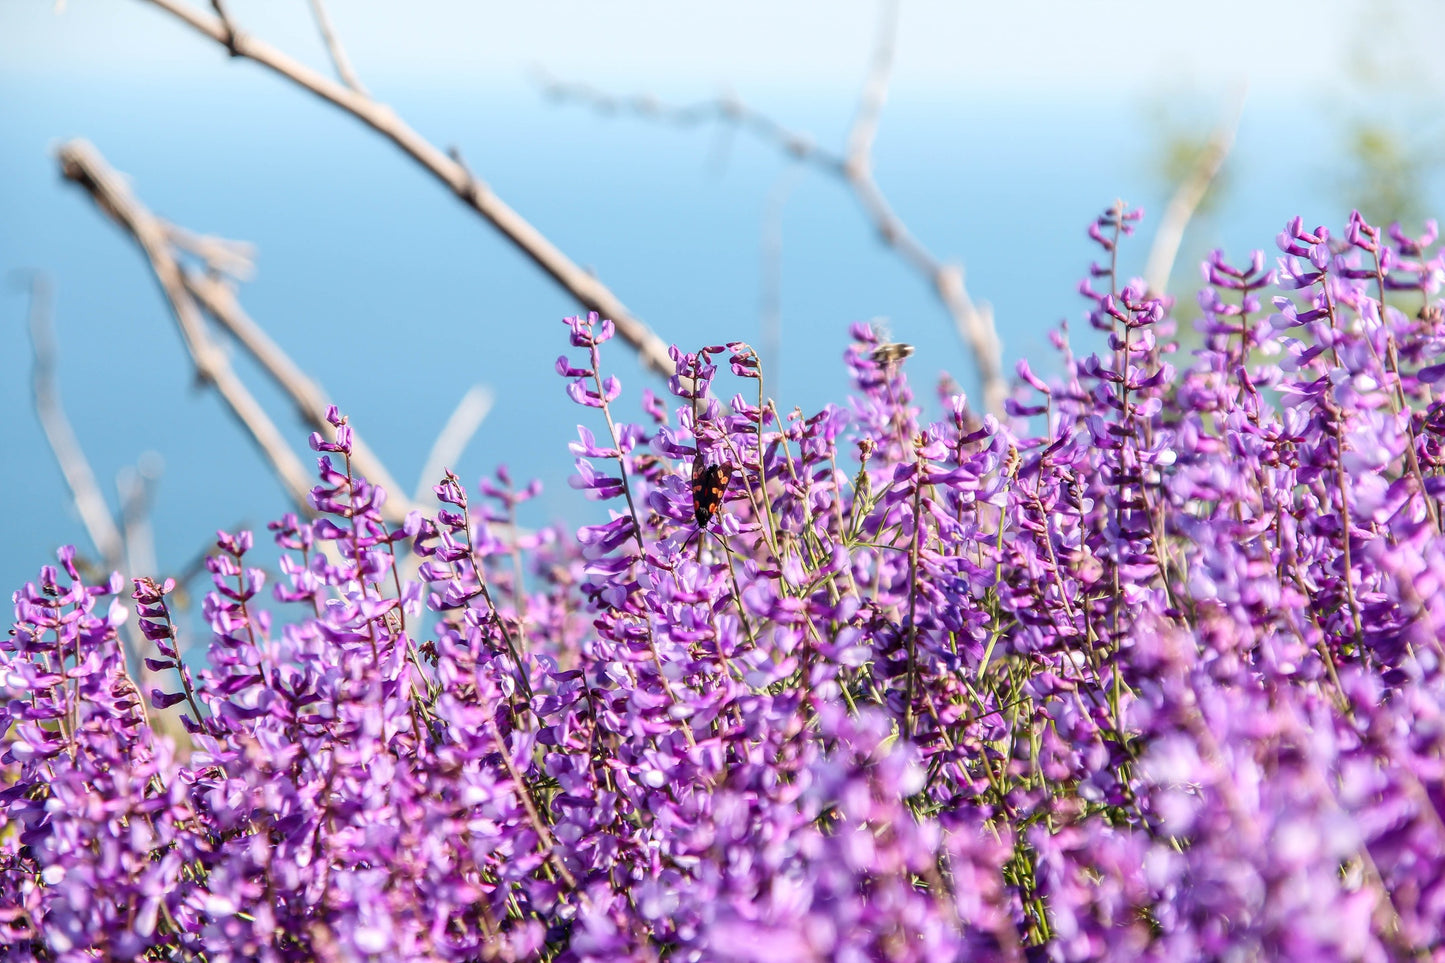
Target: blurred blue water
<point>397,299</point>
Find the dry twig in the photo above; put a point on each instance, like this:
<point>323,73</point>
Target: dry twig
<point>196,289</point>
<point>468,416</point>
<point>227,27</point>
<point>94,513</point>
<point>587,289</point>
<point>130,551</point>
<point>81,163</point>
<point>973,321</point>
<point>339,60</point>
<point>219,301</point>
<point>234,259</point>
<point>1187,198</point>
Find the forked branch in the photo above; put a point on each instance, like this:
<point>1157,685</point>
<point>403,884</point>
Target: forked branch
<point>82,164</point>
<point>189,291</point>
<point>220,302</point>
<point>339,60</point>
<point>588,290</point>
<point>972,321</point>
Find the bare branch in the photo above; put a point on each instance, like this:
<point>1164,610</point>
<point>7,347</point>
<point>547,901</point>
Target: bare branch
<point>333,47</point>
<point>728,109</point>
<point>227,27</point>
<point>216,297</point>
<point>973,322</point>
<point>219,301</point>
<point>81,163</point>
<point>128,551</point>
<point>1187,197</point>
<point>590,292</point>
<point>470,412</point>
<point>236,259</point>
<point>94,513</point>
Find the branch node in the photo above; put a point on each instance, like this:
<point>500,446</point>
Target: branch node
<point>228,26</point>
<point>468,188</point>
<point>339,59</point>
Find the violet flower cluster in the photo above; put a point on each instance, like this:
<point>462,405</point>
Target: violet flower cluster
<point>1148,670</point>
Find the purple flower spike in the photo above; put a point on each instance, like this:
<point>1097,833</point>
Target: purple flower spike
<point>1150,669</point>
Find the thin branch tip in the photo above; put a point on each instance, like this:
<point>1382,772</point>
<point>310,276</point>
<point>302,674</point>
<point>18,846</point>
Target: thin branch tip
<point>339,60</point>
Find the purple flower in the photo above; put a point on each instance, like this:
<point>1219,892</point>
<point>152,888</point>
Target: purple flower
<point>1149,670</point>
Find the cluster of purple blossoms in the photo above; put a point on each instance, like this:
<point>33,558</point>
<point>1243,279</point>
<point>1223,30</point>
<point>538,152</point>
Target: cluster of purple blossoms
<point>1151,669</point>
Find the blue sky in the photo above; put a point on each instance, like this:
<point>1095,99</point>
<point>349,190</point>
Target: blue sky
<point>949,49</point>
<point>1008,127</point>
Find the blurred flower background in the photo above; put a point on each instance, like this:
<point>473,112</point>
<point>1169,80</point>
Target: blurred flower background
<point>1007,127</point>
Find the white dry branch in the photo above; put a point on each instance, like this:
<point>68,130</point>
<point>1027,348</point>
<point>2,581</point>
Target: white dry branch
<point>233,259</point>
<point>339,60</point>
<point>586,288</point>
<point>190,291</point>
<point>82,164</point>
<point>973,321</point>
<point>100,525</point>
<point>219,301</point>
<point>452,440</point>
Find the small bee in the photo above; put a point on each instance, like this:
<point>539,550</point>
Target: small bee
<point>888,352</point>
<point>891,353</point>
